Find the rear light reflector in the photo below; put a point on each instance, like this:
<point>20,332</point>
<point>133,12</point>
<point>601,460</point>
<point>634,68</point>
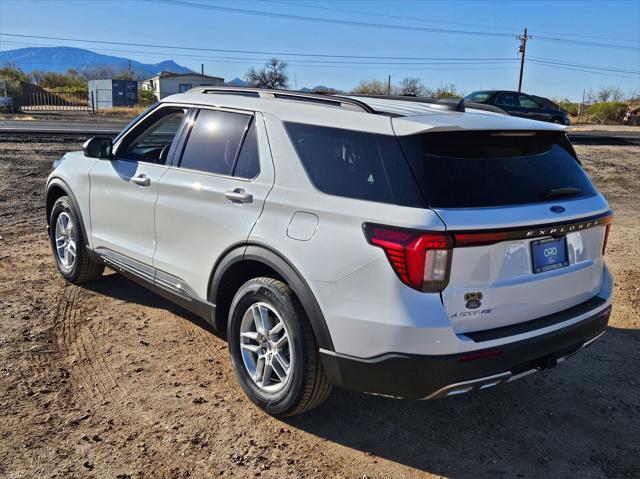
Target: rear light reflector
<point>474,355</point>
<point>606,238</point>
<point>421,259</point>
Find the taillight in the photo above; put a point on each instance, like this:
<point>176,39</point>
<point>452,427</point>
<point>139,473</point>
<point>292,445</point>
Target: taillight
<point>606,238</point>
<point>421,259</point>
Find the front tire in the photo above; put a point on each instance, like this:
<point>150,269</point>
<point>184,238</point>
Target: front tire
<point>68,244</point>
<point>273,349</point>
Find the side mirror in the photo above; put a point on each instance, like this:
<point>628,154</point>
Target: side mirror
<point>97,147</point>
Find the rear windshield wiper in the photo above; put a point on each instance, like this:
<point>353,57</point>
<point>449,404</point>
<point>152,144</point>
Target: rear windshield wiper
<point>560,192</point>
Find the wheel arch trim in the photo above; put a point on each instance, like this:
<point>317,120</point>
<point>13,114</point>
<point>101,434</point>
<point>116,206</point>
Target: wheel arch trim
<point>60,183</point>
<point>276,261</point>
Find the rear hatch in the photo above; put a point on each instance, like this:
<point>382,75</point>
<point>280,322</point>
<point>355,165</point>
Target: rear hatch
<point>528,225</point>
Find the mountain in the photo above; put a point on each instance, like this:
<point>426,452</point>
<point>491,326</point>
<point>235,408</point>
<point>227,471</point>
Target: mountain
<point>236,82</point>
<point>60,59</point>
<point>320,88</point>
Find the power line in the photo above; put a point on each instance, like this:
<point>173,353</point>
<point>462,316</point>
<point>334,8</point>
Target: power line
<point>451,63</point>
<point>584,70</point>
<point>288,16</point>
<point>582,65</point>
<point>220,50</point>
<point>385,15</point>
<point>514,30</point>
<point>435,61</point>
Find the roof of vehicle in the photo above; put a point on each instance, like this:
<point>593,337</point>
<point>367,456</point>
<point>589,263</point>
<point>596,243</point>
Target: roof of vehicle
<point>384,115</point>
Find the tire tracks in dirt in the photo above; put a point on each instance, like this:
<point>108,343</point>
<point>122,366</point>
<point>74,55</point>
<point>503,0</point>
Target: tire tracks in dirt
<point>85,363</point>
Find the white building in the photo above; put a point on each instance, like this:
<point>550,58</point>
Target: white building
<point>167,83</point>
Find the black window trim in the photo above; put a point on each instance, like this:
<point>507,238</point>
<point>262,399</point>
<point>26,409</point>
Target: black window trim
<point>193,115</point>
<point>252,122</point>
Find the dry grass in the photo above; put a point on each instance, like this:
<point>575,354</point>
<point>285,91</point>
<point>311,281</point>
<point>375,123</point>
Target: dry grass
<point>121,111</point>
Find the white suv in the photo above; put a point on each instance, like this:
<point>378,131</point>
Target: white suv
<point>391,245</point>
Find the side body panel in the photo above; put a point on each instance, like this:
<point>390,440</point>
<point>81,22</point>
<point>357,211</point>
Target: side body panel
<point>121,211</point>
<point>195,223</point>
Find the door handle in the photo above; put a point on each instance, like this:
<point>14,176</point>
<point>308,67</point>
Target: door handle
<point>141,180</point>
<point>239,195</point>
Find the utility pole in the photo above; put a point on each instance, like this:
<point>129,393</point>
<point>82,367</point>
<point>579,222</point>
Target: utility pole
<point>523,47</point>
<point>202,69</point>
<point>581,105</point>
<point>130,75</point>
<point>389,85</point>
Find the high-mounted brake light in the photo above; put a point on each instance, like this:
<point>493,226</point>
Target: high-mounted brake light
<point>421,259</point>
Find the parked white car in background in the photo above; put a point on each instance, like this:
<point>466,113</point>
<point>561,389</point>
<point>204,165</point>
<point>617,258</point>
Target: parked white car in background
<point>397,246</point>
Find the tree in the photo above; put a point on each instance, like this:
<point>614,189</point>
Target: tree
<point>98,73</point>
<point>609,93</point>
<point>11,71</point>
<point>446,91</point>
<point>411,86</point>
<point>371,87</point>
<point>273,76</point>
<point>126,74</point>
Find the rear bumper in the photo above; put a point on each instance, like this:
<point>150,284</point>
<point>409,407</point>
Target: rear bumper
<point>426,377</point>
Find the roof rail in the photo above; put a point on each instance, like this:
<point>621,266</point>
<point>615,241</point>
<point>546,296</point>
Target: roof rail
<point>329,100</point>
<point>451,104</point>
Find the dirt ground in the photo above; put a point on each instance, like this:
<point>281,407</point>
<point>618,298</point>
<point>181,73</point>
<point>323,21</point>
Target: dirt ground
<point>109,380</point>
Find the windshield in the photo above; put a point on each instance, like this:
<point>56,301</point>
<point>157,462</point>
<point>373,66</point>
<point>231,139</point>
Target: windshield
<point>493,168</point>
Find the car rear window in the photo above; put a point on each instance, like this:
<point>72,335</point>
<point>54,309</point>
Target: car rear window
<point>354,164</point>
<point>493,168</point>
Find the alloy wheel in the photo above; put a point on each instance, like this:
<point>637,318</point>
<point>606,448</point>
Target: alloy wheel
<point>265,347</point>
<point>66,241</point>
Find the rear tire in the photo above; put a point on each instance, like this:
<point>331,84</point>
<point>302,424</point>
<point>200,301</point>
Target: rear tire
<point>68,244</point>
<point>263,312</point>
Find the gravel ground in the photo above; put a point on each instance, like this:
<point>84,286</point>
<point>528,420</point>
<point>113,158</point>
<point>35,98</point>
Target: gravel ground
<point>109,380</point>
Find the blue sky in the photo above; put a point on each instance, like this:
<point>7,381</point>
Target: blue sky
<point>567,71</point>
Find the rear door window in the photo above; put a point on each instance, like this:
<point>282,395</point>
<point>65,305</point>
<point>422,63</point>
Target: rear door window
<point>508,99</point>
<point>214,141</point>
<point>492,168</point>
<point>527,102</point>
<point>354,164</point>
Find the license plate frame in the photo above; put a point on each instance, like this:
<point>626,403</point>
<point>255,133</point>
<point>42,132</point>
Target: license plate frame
<point>549,254</point>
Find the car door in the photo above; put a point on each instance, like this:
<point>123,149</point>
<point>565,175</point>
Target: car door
<point>531,108</point>
<point>509,102</point>
<point>211,196</point>
<point>124,189</point>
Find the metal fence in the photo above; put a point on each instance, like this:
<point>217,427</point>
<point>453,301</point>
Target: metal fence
<point>44,100</point>
<point>56,101</point>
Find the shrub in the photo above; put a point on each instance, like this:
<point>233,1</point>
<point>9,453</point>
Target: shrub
<point>570,107</point>
<point>607,112</point>
<point>146,97</point>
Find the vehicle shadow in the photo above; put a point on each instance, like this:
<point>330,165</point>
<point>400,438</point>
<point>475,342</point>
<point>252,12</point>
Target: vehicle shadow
<point>119,287</point>
<point>580,418</point>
